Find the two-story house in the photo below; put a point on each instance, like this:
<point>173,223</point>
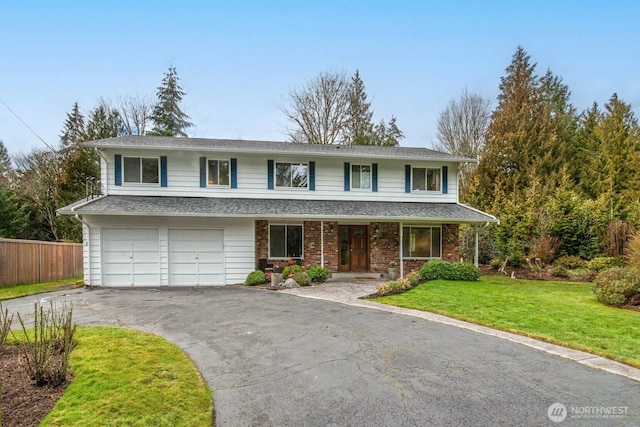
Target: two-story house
<point>190,211</point>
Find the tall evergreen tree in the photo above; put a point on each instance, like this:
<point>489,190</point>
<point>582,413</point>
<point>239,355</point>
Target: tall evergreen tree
<point>13,218</point>
<point>168,118</point>
<point>104,122</point>
<point>5,166</point>
<point>74,130</point>
<point>360,127</point>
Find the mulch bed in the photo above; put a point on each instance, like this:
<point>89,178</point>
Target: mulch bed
<point>23,403</point>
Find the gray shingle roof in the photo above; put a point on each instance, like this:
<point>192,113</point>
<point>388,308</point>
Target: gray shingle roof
<point>277,208</point>
<point>272,147</point>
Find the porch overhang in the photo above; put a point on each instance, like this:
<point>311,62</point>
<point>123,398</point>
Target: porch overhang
<point>450,213</point>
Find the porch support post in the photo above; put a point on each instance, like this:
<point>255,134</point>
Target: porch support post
<point>401,269</point>
<point>322,243</point>
<point>475,255</point>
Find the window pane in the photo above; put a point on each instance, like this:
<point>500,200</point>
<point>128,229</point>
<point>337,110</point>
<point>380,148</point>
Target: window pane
<point>283,175</point>
<point>365,177</point>
<point>294,241</point>
<point>213,172</point>
<point>435,243</point>
<point>355,176</point>
<point>150,171</point>
<point>277,241</point>
<point>299,175</point>
<point>421,242</point>
<point>406,242</point>
<point>419,178</point>
<point>433,179</point>
<point>132,169</point>
<point>224,172</point>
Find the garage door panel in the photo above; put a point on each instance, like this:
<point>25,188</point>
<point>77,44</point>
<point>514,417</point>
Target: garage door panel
<point>196,257</point>
<point>131,257</point>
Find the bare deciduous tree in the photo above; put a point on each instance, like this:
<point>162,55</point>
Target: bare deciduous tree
<point>462,125</point>
<point>320,110</point>
<point>135,112</point>
<point>461,130</point>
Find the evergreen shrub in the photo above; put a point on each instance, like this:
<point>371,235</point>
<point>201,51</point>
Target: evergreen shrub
<point>318,274</point>
<point>255,278</point>
<point>616,286</point>
<point>438,269</point>
<point>302,278</point>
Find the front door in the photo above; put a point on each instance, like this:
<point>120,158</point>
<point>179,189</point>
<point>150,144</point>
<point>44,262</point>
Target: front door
<point>354,248</point>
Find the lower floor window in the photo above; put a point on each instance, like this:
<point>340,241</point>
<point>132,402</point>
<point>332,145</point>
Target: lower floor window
<point>285,241</point>
<point>421,242</point>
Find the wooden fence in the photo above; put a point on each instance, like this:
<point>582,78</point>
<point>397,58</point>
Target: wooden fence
<point>30,261</point>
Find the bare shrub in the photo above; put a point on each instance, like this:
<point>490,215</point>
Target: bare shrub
<point>632,251</point>
<point>46,352</point>
<point>616,236</point>
<point>5,325</point>
<point>546,248</point>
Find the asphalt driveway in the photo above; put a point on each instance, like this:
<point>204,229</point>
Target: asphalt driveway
<point>273,358</point>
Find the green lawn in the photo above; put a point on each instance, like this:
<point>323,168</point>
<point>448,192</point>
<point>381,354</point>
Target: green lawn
<point>125,377</point>
<point>17,291</point>
<point>558,312</point>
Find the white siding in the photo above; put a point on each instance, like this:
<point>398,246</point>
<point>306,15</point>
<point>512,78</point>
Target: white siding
<point>183,178</point>
<point>239,243</point>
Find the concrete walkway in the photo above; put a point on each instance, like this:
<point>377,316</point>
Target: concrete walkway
<point>351,293</point>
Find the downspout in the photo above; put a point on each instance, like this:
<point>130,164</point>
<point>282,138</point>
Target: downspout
<point>84,223</point>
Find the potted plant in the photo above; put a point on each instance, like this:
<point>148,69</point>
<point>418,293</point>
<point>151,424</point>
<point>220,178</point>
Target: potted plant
<point>393,271</point>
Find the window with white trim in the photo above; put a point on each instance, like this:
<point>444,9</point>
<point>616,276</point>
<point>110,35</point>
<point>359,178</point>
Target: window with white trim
<point>218,172</point>
<point>426,179</point>
<point>294,175</point>
<point>141,170</point>
<point>285,241</point>
<point>421,242</point>
<point>361,176</point>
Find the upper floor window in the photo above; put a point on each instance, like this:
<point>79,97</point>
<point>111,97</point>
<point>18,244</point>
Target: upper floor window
<point>218,172</point>
<point>421,242</point>
<point>361,176</point>
<point>426,179</point>
<point>292,175</point>
<point>141,169</point>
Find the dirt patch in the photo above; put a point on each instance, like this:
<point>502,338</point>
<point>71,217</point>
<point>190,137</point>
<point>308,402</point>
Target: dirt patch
<point>23,403</point>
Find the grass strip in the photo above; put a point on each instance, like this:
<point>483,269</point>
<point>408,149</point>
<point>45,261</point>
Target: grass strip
<point>132,378</point>
<point>563,313</point>
<point>23,290</point>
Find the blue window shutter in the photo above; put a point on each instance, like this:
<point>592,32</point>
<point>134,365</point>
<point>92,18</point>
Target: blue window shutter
<point>374,177</point>
<point>312,176</point>
<point>118,169</point>
<point>234,173</point>
<point>445,178</point>
<point>347,176</point>
<point>203,172</point>
<point>407,178</point>
<point>163,171</point>
<point>270,174</point>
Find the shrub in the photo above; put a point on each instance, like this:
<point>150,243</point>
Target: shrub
<point>559,271</point>
<point>5,325</point>
<point>604,262</point>
<point>616,286</point>
<point>496,263</point>
<point>255,278</point>
<point>383,289</point>
<point>437,269</point>
<point>287,271</point>
<point>632,251</point>
<point>318,274</point>
<point>570,262</point>
<point>413,278</point>
<point>546,247</point>
<point>302,278</point>
<point>46,352</point>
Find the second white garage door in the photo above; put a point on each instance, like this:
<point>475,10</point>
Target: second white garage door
<point>196,257</point>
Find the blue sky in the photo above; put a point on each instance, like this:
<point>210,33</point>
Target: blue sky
<point>238,60</point>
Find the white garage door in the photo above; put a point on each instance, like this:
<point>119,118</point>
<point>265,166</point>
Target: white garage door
<point>131,257</point>
<point>196,257</point>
